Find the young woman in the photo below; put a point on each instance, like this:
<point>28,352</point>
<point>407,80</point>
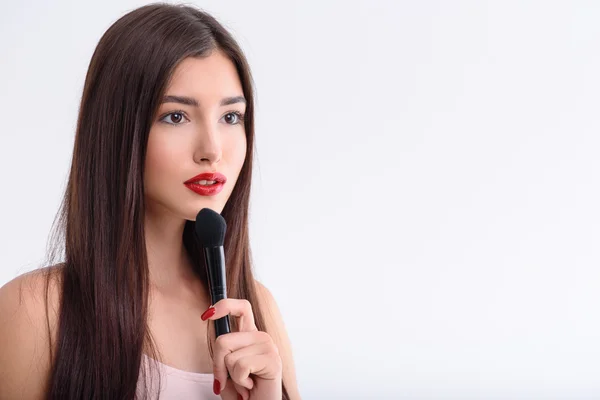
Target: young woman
<point>165,128</point>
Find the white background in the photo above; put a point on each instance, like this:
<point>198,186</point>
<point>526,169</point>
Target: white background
<point>426,202</point>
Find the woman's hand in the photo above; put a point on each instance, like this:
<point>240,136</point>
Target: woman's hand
<point>249,356</point>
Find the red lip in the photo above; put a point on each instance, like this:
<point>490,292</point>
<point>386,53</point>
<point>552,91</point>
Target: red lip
<point>206,190</point>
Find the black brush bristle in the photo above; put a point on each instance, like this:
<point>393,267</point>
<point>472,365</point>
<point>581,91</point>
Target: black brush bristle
<point>210,228</point>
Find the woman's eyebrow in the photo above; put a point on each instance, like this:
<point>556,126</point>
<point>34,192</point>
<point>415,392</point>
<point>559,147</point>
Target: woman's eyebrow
<point>190,101</point>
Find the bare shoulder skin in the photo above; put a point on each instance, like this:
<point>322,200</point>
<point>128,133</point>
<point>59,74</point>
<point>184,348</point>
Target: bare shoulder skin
<point>24,334</point>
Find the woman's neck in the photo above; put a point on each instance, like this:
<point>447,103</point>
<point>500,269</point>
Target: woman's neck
<point>168,261</point>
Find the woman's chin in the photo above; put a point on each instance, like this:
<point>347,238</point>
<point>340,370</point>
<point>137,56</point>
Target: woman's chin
<point>217,207</point>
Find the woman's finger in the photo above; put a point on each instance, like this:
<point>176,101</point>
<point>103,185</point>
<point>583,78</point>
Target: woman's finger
<point>229,343</point>
<point>267,366</point>
<point>240,308</point>
<point>234,391</point>
<point>258,349</point>
<point>242,391</point>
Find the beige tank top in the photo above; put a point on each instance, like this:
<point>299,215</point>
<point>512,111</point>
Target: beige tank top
<point>175,383</point>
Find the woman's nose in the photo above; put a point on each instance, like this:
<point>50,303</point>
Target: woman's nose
<point>208,146</point>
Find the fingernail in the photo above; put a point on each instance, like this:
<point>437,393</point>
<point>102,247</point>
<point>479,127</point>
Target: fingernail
<point>208,313</point>
<point>240,397</point>
<point>217,387</point>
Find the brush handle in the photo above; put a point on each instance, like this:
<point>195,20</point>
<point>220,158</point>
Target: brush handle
<point>221,324</point>
<point>214,259</point>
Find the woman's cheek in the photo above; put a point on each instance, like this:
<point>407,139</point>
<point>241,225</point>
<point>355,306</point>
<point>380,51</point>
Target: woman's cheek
<point>164,160</point>
<point>239,151</point>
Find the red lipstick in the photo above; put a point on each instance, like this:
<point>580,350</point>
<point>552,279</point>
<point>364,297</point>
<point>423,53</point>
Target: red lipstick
<point>206,190</point>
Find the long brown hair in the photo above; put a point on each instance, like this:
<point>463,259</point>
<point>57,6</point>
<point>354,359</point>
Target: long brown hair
<point>99,230</point>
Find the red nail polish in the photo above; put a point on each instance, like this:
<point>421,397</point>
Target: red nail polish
<point>217,387</point>
<point>208,313</point>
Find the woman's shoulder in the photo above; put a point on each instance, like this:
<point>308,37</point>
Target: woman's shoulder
<point>272,314</point>
<point>27,328</point>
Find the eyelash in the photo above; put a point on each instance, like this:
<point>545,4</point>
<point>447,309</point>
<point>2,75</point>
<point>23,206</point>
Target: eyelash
<point>237,113</point>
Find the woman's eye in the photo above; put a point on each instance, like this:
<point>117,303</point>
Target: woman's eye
<point>177,118</point>
<point>173,118</point>
<point>233,118</point>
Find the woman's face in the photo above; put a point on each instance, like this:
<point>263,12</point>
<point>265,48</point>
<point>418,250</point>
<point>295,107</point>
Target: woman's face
<point>199,128</point>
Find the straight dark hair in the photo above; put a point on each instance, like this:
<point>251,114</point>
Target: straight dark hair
<point>99,230</point>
